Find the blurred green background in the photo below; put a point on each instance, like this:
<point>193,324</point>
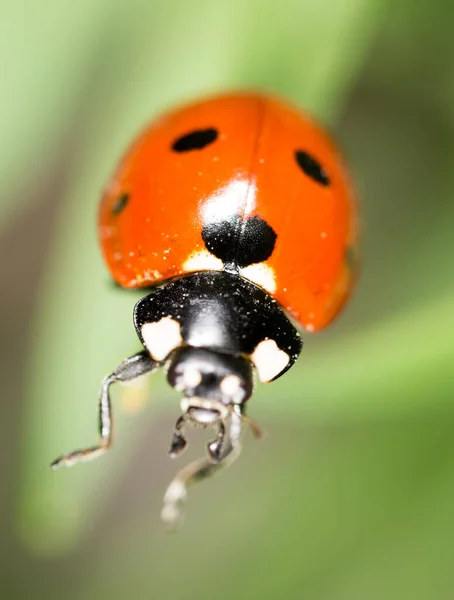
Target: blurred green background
<point>351,494</point>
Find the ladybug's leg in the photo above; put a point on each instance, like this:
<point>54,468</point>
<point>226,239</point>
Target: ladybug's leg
<point>131,368</point>
<point>215,447</point>
<point>176,493</point>
<point>179,442</point>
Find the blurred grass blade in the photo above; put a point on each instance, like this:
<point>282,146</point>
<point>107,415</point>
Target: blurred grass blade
<point>311,52</point>
<point>67,40</point>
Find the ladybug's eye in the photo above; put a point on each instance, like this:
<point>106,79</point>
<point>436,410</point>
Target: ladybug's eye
<point>195,140</point>
<point>311,167</point>
<point>120,204</point>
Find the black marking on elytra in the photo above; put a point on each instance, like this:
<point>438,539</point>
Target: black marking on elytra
<point>254,244</point>
<point>311,167</point>
<point>195,140</point>
<point>120,204</point>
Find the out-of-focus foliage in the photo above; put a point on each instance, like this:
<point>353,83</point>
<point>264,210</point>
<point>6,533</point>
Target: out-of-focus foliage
<point>350,494</point>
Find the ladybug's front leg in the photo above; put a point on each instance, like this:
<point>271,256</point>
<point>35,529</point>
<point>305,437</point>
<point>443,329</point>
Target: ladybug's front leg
<point>131,368</point>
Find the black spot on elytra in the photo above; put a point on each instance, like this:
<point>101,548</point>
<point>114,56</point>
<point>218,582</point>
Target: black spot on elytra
<point>195,140</point>
<point>240,242</point>
<point>311,167</point>
<point>120,204</point>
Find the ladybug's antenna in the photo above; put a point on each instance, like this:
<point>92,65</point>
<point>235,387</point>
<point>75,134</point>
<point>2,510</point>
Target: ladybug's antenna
<point>255,428</point>
<point>176,494</point>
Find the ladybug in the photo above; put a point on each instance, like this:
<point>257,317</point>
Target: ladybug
<point>236,216</point>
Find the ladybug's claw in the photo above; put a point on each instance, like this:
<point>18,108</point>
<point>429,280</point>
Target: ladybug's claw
<point>68,460</point>
<point>178,445</point>
<point>216,446</point>
<point>215,450</point>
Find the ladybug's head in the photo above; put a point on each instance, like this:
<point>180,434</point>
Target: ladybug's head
<point>214,385</point>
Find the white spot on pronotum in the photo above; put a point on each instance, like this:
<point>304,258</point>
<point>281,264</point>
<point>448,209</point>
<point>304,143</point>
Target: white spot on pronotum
<point>230,385</point>
<point>323,235</point>
<point>261,274</point>
<point>162,337</point>
<point>203,261</point>
<point>309,327</point>
<point>269,360</point>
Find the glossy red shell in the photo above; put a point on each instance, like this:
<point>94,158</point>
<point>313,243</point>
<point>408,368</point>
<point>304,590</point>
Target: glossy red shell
<point>250,169</point>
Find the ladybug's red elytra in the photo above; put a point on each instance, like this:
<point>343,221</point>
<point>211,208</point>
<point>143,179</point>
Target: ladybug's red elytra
<point>236,213</point>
